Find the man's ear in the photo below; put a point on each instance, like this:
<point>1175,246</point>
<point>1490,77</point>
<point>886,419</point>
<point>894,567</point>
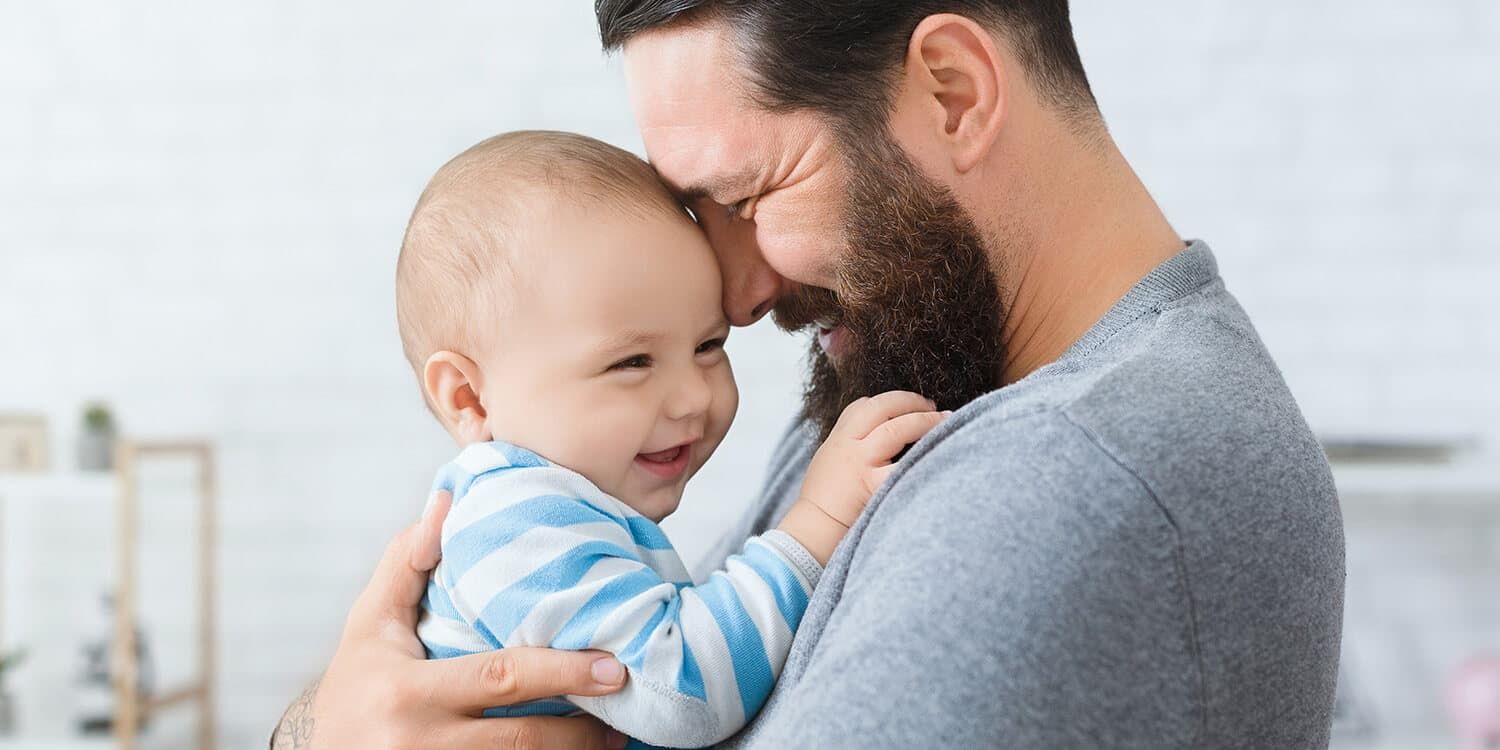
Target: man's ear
<point>960,81</point>
<point>453,384</point>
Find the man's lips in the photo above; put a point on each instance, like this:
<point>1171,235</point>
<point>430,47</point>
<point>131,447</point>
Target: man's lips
<point>823,317</point>
<point>668,464</point>
<point>834,341</point>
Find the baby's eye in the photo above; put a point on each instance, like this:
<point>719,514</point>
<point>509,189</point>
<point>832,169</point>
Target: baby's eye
<point>710,346</point>
<point>634,362</point>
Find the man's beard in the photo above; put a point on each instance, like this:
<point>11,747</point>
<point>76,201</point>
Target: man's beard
<point>914,289</point>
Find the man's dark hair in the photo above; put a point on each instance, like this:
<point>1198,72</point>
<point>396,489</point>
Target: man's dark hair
<point>839,57</point>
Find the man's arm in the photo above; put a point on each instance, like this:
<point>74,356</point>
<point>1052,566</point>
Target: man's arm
<point>992,603</point>
<point>380,693</point>
<point>296,727</point>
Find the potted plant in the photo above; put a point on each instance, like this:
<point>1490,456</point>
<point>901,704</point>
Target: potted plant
<point>96,444</point>
<point>8,664</point>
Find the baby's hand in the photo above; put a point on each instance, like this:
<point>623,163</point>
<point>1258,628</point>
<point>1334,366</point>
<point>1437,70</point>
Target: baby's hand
<point>856,457</point>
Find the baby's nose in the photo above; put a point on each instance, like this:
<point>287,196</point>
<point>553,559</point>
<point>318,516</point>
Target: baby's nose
<point>691,395</point>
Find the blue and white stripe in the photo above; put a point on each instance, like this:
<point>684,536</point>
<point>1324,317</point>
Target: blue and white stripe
<point>536,555</point>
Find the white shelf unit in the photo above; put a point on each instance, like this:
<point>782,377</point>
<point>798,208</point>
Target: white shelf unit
<point>98,484</point>
<point>122,487</point>
<point>57,743</point>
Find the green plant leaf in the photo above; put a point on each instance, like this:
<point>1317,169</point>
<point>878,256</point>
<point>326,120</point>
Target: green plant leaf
<point>11,660</point>
<point>98,416</point>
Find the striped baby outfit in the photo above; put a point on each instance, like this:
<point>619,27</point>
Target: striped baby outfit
<point>536,555</point>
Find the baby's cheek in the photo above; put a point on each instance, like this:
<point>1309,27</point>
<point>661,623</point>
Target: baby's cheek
<point>603,447</point>
<point>726,400</point>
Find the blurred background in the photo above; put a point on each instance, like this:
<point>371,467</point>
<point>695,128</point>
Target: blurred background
<point>200,208</point>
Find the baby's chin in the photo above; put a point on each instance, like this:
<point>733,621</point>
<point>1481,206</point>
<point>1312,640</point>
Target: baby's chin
<point>661,502</point>
<point>657,505</point>
<point>659,510</point>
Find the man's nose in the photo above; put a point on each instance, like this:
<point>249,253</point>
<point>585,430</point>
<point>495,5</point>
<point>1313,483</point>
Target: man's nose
<point>690,394</point>
<point>751,286</point>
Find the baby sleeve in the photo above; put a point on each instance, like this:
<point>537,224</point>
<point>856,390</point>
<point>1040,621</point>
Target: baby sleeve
<point>540,557</point>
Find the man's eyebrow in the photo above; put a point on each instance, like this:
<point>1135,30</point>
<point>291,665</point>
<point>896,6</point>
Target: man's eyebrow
<point>714,186</point>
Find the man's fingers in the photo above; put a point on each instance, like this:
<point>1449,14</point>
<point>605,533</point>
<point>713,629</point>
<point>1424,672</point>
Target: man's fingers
<point>429,547</point>
<point>394,591</point>
<point>862,417</point>
<point>388,607</point>
<point>391,598</point>
<point>516,675</point>
<point>532,733</point>
<point>887,440</point>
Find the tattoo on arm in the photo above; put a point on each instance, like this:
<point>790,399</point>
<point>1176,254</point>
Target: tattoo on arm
<point>296,727</point>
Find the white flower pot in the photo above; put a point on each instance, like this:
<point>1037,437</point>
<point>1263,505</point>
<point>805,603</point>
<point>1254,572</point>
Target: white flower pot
<point>96,451</point>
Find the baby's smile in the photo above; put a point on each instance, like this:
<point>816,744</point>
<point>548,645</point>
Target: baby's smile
<point>667,465</point>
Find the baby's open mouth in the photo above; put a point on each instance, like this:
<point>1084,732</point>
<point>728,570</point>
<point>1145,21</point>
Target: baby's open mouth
<point>667,464</point>
<point>665,457</point>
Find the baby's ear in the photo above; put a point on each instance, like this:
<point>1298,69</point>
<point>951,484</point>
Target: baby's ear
<point>453,384</point>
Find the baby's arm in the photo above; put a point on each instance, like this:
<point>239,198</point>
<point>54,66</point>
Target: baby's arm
<point>852,463</point>
<point>539,557</point>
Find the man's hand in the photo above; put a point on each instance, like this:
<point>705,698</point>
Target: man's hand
<point>380,693</point>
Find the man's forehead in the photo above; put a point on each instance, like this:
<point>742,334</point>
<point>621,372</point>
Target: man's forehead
<point>704,132</point>
<point>681,46</point>
<point>687,103</point>
<point>703,161</point>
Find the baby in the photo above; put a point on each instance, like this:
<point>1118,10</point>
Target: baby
<point>562,312</point>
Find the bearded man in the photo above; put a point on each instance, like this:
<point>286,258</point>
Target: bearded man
<point>1125,536</point>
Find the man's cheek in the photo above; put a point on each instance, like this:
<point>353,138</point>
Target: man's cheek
<point>802,255</point>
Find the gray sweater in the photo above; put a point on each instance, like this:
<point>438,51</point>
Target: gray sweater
<point>1138,545</point>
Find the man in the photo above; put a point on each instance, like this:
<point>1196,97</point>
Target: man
<point>1125,537</point>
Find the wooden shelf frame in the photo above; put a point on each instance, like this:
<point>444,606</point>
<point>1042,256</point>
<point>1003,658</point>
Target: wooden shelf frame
<point>131,708</point>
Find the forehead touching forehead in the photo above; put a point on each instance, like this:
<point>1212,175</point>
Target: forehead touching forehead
<point>474,228</point>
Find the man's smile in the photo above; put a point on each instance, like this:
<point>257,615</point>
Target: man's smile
<point>834,341</point>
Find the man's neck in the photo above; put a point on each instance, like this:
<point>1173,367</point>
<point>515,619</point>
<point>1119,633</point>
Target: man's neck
<point>1085,233</point>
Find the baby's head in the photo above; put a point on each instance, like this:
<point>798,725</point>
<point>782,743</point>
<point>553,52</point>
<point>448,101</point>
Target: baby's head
<point>552,294</point>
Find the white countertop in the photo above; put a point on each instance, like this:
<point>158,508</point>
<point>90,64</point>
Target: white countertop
<point>48,486</point>
<point>1467,477</point>
<point>1428,742</point>
<point>24,742</point>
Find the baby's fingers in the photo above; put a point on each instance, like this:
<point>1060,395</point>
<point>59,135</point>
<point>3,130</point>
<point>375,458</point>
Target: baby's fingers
<point>889,438</point>
<point>878,475</point>
<point>867,414</point>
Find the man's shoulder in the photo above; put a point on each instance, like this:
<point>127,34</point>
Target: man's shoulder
<point>1027,477</point>
<point>1186,376</point>
<point>1181,405</point>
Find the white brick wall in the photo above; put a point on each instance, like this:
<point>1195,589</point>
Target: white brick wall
<point>200,204</point>
<point>1340,157</point>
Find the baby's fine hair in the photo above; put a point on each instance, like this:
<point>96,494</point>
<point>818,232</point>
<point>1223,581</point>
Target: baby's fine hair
<point>461,244</point>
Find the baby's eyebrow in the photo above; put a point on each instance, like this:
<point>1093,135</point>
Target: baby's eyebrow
<point>627,340</point>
